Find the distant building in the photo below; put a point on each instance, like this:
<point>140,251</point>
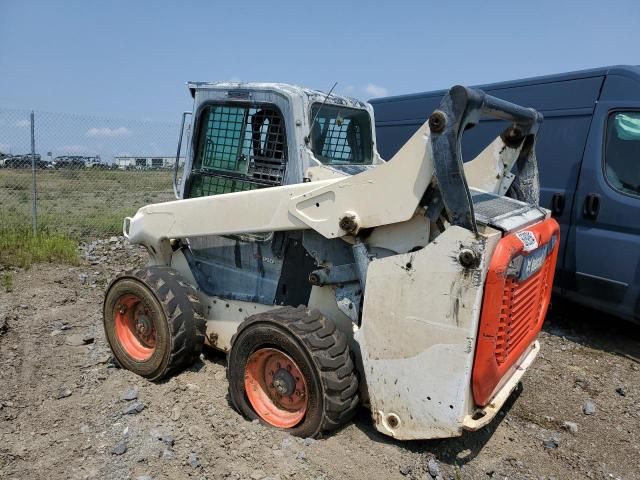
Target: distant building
<point>138,162</point>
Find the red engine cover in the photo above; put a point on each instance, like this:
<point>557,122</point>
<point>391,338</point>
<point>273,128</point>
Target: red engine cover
<point>513,310</point>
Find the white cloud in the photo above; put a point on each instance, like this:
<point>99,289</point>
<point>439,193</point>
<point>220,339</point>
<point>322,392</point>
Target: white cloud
<point>22,123</point>
<point>108,132</point>
<point>73,149</point>
<point>375,90</point>
<point>5,147</point>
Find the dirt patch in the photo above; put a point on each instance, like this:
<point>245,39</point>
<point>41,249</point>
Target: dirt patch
<point>67,412</point>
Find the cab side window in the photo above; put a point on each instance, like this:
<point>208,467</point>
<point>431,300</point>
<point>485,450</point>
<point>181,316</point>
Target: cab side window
<point>622,152</point>
<point>341,136</point>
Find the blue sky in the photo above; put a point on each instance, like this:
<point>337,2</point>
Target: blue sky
<point>131,59</point>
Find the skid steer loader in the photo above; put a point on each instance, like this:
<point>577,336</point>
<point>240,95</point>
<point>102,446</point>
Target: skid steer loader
<point>332,277</point>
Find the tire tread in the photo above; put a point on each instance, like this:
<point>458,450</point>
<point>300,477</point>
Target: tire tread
<point>328,348</point>
<point>183,312</point>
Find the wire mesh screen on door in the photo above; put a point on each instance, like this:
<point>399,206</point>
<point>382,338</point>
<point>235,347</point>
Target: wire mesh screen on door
<point>240,148</point>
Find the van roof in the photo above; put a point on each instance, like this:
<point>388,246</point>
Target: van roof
<point>632,71</point>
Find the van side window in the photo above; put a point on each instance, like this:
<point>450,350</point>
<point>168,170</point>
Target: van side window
<point>622,152</point>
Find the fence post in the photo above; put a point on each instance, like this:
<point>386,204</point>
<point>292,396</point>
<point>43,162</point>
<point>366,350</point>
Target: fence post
<point>34,193</point>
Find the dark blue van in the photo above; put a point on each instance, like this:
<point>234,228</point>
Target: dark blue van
<point>589,160</point>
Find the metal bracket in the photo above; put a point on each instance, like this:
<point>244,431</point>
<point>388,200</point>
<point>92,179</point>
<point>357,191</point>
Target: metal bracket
<point>361,256</point>
<point>334,275</point>
<point>461,108</point>
<point>348,298</point>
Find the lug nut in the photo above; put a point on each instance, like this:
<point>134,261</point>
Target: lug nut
<point>468,258</point>
<point>437,121</point>
<point>348,223</point>
<point>314,279</point>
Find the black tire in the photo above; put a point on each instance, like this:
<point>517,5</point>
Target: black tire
<point>175,312</point>
<point>318,348</point>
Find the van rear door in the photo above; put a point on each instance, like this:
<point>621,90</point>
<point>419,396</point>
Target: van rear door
<point>606,217</point>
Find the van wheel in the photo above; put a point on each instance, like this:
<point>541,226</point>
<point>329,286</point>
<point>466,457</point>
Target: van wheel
<point>153,322</point>
<point>292,369</point>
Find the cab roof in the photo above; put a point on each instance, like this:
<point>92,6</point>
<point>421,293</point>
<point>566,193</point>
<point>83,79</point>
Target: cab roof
<point>285,88</point>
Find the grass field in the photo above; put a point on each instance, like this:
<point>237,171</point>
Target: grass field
<point>81,204</point>
<point>21,248</point>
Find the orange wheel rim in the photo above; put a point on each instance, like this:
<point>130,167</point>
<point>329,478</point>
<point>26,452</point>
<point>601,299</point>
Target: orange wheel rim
<point>276,388</point>
<point>135,327</point>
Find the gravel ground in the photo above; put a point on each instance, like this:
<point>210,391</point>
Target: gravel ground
<point>67,412</point>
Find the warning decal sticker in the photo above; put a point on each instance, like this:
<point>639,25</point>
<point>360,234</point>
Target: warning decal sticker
<point>528,240</point>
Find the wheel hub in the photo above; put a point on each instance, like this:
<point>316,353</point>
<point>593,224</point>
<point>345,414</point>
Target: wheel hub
<point>135,327</point>
<point>142,324</point>
<point>276,387</point>
<point>283,382</point>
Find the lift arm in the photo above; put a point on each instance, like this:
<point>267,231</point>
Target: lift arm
<point>389,193</point>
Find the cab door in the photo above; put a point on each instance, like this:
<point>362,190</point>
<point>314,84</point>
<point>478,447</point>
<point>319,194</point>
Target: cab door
<point>237,147</point>
<point>604,239</point>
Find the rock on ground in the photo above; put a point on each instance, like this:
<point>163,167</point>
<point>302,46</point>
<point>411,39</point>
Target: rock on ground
<point>588,407</point>
<point>130,394</point>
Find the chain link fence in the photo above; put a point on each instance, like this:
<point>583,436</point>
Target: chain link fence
<point>81,175</point>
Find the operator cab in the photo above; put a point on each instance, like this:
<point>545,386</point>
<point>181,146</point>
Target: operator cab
<point>248,136</point>
<point>256,135</point>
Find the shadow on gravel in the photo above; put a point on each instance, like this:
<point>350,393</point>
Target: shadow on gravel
<point>451,451</point>
<point>593,329</point>
<point>215,356</point>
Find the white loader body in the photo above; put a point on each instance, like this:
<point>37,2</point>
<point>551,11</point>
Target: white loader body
<point>411,300</point>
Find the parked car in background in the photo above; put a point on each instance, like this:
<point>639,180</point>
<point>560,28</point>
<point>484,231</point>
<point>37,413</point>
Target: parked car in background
<point>588,152</point>
<point>23,161</point>
<point>95,163</point>
<point>69,161</point>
